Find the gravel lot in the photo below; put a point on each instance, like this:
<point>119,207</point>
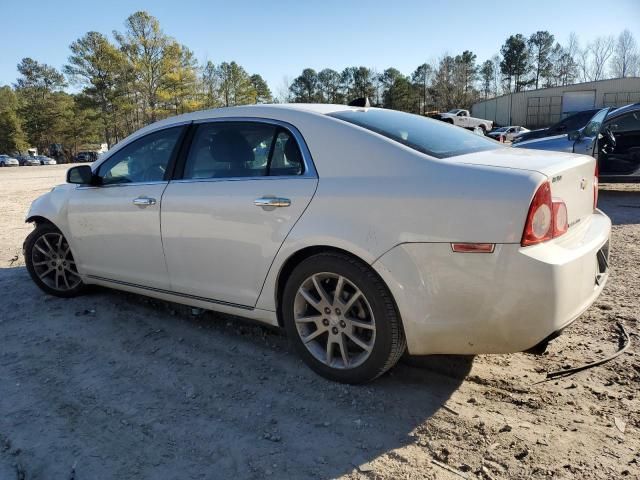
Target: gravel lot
<point>118,386</point>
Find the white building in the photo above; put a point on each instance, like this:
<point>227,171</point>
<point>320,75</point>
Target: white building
<point>543,107</point>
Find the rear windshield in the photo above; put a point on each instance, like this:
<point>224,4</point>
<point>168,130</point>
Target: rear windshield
<point>425,135</point>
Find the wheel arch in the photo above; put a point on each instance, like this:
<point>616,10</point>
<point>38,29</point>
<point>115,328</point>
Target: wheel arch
<point>40,220</point>
<point>299,256</point>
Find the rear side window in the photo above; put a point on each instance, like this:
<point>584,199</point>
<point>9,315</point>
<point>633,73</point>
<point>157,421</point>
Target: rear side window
<point>629,122</point>
<point>425,135</point>
<point>242,149</point>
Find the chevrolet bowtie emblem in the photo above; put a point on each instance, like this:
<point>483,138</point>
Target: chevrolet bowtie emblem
<point>583,184</point>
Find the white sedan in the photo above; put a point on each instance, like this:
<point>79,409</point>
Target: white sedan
<point>7,161</point>
<point>507,133</point>
<point>362,231</point>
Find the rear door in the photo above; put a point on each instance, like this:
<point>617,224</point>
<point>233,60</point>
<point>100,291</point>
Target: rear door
<point>243,187</point>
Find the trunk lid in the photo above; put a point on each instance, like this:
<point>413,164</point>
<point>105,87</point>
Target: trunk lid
<point>571,176</point>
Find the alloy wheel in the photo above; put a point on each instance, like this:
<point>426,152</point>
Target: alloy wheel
<point>334,320</point>
<point>53,262</point>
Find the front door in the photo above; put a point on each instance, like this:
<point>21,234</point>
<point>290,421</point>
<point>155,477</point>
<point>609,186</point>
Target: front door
<point>244,186</point>
<point>619,146</point>
<point>115,226</point>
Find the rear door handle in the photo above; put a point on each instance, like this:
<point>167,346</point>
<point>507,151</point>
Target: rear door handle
<point>144,201</point>
<point>272,202</point>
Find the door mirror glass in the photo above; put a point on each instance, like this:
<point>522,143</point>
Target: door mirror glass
<point>575,135</point>
<point>81,175</point>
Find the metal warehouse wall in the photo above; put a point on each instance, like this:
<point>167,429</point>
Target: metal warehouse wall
<point>541,108</point>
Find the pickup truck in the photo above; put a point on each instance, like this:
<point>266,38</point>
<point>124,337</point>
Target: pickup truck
<point>462,118</point>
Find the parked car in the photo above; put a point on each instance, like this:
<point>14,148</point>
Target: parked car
<point>29,161</point>
<point>7,161</point>
<point>44,160</point>
<point>461,118</point>
<point>366,232</point>
<point>85,157</point>
<point>566,125</point>
<point>506,133</point>
<point>612,136</point>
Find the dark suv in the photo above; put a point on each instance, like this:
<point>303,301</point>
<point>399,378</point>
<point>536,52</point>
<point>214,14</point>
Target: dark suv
<point>566,125</point>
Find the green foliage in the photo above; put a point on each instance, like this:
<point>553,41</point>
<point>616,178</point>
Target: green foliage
<point>98,66</point>
<point>541,49</point>
<point>305,87</point>
<point>41,102</point>
<point>487,74</point>
<point>329,86</point>
<point>263,93</point>
<point>12,138</point>
<point>515,62</point>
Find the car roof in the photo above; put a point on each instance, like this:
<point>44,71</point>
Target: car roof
<point>625,109</point>
<point>260,110</point>
<point>276,111</point>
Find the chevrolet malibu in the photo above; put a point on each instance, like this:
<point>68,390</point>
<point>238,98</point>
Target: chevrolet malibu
<point>362,232</point>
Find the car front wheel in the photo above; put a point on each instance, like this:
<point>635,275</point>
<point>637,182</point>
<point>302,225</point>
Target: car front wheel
<point>342,319</point>
<point>50,262</point>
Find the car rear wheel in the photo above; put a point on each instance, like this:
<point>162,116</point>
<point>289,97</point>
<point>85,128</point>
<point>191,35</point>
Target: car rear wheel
<point>341,318</point>
<point>50,262</point>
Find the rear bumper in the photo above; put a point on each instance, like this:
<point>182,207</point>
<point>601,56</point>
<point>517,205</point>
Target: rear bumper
<point>508,301</point>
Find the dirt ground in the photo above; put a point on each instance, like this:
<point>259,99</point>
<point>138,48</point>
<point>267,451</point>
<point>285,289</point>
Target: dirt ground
<point>117,386</point>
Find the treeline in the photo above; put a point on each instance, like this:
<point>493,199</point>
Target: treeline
<point>537,61</point>
<point>123,81</point>
<point>141,76</point>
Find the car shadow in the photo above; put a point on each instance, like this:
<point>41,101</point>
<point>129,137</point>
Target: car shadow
<point>125,386</point>
<point>622,206</point>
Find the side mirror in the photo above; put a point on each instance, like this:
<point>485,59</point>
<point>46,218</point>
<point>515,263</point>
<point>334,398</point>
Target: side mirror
<point>573,136</point>
<point>80,175</point>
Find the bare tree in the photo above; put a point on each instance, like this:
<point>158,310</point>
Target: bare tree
<point>601,49</point>
<point>625,56</point>
<point>284,94</point>
<point>573,45</point>
<point>583,59</point>
<point>496,74</point>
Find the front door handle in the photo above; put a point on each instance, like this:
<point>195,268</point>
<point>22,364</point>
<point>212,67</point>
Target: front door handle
<point>144,201</point>
<point>272,202</point>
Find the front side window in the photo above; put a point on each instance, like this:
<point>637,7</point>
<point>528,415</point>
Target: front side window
<point>242,149</point>
<point>425,135</point>
<point>143,160</point>
<point>593,127</point>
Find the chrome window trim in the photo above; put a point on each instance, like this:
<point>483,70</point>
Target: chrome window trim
<point>238,179</point>
<point>309,166</point>
<point>112,185</point>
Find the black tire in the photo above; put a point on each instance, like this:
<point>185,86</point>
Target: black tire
<point>389,342</point>
<point>31,260</point>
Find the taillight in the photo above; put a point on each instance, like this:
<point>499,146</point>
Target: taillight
<point>596,184</point>
<point>560,218</point>
<point>547,217</point>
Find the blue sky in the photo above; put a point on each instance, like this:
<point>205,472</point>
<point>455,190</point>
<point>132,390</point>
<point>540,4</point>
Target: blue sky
<point>280,38</point>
